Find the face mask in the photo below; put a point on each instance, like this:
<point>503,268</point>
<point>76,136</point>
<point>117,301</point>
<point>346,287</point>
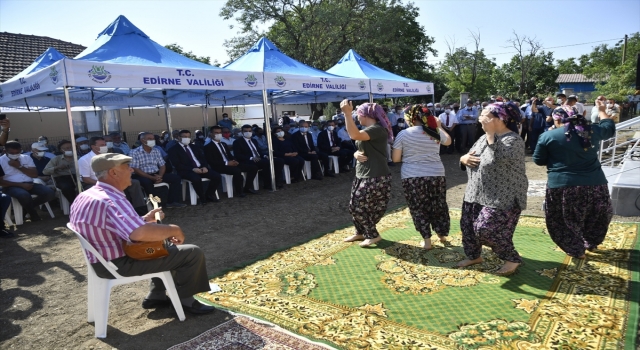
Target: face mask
<point>103,150</point>
<point>304,129</point>
<point>559,101</point>
<point>185,140</point>
<point>315,127</point>
<point>68,153</point>
<point>40,154</point>
<point>401,125</point>
<point>117,144</point>
<point>109,144</point>
<point>247,134</point>
<point>280,134</point>
<point>226,134</point>
<point>151,143</point>
<point>447,110</point>
<point>225,117</point>
<point>43,142</point>
<point>330,127</point>
<point>84,147</point>
<point>13,156</point>
<point>217,137</point>
<point>201,137</point>
<point>166,137</point>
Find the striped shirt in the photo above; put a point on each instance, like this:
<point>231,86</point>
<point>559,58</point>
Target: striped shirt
<point>148,162</point>
<point>420,153</point>
<point>104,216</point>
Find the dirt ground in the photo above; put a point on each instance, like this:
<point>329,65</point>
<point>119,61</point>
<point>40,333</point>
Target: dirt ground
<point>43,291</point>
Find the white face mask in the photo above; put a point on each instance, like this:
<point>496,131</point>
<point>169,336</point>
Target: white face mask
<point>40,154</point>
<point>43,142</point>
<point>68,153</point>
<point>201,137</point>
<point>84,147</point>
<point>151,143</point>
<point>13,156</point>
<point>401,125</point>
<point>330,127</point>
<point>447,110</point>
<point>185,140</point>
<point>109,144</point>
<point>103,150</point>
<point>559,101</point>
<point>280,134</point>
<point>217,137</point>
<point>247,134</point>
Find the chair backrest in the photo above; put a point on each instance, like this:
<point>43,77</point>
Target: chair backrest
<point>39,181</point>
<point>86,246</point>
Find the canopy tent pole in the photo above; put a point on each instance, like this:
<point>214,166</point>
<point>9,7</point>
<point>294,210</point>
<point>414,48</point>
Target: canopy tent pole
<point>370,97</point>
<point>205,118</point>
<point>167,112</point>
<point>267,125</point>
<point>73,138</point>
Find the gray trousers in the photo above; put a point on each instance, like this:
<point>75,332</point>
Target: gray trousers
<point>186,263</point>
<point>135,193</point>
<point>467,136</point>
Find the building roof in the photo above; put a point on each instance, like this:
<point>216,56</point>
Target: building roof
<point>18,51</point>
<point>574,78</point>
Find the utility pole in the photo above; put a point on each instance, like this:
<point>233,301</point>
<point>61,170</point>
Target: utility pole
<point>624,48</point>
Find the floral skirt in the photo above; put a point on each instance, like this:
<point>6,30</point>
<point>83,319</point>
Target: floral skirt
<point>369,199</point>
<point>427,201</point>
<point>492,227</point>
<point>578,217</point>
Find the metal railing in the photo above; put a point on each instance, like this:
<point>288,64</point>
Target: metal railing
<point>613,146</point>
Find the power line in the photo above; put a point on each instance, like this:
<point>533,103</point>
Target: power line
<point>544,48</point>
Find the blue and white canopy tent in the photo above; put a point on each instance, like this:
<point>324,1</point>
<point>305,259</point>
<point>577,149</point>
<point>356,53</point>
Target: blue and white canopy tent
<point>383,84</point>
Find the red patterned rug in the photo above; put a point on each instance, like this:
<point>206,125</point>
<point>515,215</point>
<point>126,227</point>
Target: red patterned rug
<point>242,333</point>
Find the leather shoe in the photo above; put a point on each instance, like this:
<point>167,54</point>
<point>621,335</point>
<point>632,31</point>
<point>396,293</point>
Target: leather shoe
<point>242,195</point>
<point>198,308</point>
<point>154,303</point>
<point>330,174</point>
<point>251,190</point>
<point>212,199</point>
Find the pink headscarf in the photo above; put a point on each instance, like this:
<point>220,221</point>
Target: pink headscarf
<point>375,111</point>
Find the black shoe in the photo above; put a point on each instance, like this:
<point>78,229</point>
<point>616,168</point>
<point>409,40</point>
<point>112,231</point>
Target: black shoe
<point>198,308</point>
<point>391,164</point>
<point>242,195</point>
<point>251,190</point>
<point>330,174</point>
<point>212,199</point>
<point>154,303</point>
<point>280,185</point>
<point>34,216</point>
<point>4,233</point>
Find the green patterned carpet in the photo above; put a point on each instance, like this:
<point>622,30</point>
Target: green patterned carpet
<point>398,296</point>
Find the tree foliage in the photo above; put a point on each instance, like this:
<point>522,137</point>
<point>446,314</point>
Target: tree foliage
<point>204,59</point>
<point>569,66</point>
<point>319,32</point>
<point>540,79</point>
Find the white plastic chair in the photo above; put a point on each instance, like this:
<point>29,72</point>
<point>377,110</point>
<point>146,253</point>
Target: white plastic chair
<point>99,289</point>
<point>334,164</point>
<point>18,212</point>
<point>256,180</point>
<point>64,202</point>
<point>227,184</point>
<point>192,193</point>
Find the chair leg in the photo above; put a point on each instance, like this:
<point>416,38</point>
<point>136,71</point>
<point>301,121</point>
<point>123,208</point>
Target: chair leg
<point>18,214</point>
<point>307,169</point>
<point>192,194</point>
<point>184,190</point>
<point>101,300</point>
<point>167,279</point>
<point>287,174</point>
<point>49,210</point>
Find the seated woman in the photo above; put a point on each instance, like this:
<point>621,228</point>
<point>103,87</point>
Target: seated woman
<point>284,149</point>
<point>63,171</point>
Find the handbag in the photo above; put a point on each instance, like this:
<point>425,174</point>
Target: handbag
<point>147,250</point>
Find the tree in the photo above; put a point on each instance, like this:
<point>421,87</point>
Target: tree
<point>526,48</point>
<point>467,71</point>
<point>319,32</point>
<point>204,59</point>
<point>540,78</point>
<point>569,66</point>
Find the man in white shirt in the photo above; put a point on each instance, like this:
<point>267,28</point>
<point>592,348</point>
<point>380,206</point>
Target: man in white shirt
<point>17,182</point>
<point>613,110</point>
<point>448,121</point>
<point>573,101</point>
<point>99,146</point>
<point>595,111</point>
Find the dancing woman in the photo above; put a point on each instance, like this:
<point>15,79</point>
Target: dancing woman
<point>496,190</point>
<point>577,204</point>
<point>371,188</point>
<point>423,181</point>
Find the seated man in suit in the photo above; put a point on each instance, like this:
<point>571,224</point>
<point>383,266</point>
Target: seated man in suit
<point>112,220</point>
<point>329,143</point>
<point>149,168</point>
<point>190,163</point>
<point>303,141</point>
<point>246,151</point>
<point>221,160</point>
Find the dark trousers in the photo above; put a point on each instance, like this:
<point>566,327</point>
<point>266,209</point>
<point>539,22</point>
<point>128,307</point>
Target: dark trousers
<point>44,193</point>
<point>265,174</point>
<point>534,135</point>
<point>5,202</point>
<point>186,262</point>
<point>67,185</point>
<point>196,180</point>
<point>295,166</point>
<point>316,172</point>
<point>173,180</point>
<point>236,172</point>
<point>465,137</point>
<point>449,149</point>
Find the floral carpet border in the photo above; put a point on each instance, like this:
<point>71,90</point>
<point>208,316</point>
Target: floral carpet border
<point>587,306</point>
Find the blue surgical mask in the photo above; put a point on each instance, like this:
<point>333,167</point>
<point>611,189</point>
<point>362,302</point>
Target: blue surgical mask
<point>304,130</point>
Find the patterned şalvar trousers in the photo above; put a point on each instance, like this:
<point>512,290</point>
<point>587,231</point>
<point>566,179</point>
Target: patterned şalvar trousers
<point>578,217</point>
<point>427,200</point>
<point>492,227</point>
<point>369,198</point>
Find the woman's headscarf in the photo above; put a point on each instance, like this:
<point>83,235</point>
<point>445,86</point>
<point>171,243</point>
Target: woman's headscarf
<point>375,111</point>
<point>574,123</point>
<point>508,112</point>
<point>429,124</point>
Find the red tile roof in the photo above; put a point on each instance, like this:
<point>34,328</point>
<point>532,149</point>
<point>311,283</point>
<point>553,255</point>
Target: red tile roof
<point>18,51</point>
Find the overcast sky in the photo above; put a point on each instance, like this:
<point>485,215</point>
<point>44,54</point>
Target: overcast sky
<point>197,27</point>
